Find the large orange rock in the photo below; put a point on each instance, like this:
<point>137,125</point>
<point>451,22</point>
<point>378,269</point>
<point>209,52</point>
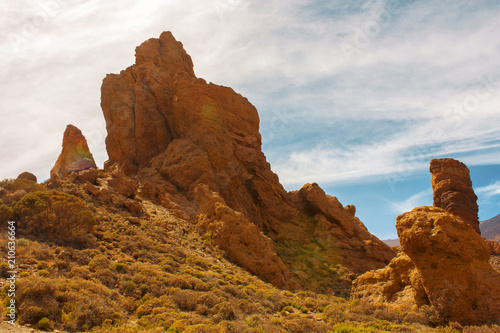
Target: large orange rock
<point>173,132</point>
<point>159,114</point>
<point>453,191</point>
<point>75,154</point>
<point>453,262</point>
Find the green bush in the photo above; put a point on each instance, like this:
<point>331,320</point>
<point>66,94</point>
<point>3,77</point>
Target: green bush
<point>44,323</point>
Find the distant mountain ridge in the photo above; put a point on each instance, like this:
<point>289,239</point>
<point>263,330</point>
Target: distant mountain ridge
<point>490,229</point>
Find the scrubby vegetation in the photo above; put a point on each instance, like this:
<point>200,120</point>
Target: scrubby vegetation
<point>90,265</point>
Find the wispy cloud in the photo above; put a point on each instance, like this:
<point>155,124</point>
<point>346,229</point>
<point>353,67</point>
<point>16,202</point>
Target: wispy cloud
<point>489,190</point>
<point>384,113</point>
<point>423,198</point>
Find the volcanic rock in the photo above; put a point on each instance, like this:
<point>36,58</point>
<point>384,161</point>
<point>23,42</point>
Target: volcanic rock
<point>453,191</point>
<point>172,133</point>
<point>75,155</point>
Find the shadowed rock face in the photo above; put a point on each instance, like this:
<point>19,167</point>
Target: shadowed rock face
<point>444,262</point>
<point>453,191</point>
<point>75,154</point>
<point>174,133</point>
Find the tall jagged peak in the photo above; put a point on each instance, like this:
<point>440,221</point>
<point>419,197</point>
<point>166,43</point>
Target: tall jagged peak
<point>188,142</point>
<point>165,52</point>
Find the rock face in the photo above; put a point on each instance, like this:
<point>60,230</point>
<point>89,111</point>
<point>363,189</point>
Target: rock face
<point>443,263</point>
<point>339,231</point>
<point>242,240</point>
<point>75,155</point>
<point>173,133</point>
<point>453,191</point>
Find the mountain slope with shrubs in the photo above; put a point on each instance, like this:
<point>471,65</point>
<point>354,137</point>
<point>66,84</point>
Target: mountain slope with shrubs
<point>103,268</point>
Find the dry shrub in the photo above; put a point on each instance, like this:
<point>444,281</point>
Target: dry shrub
<point>33,252</point>
<point>99,262</point>
<point>106,277</point>
<point>224,311</point>
<point>303,325</point>
<point>482,329</point>
<point>36,298</point>
<point>14,189</point>
<point>234,290</point>
<point>6,214</point>
<point>186,299</point>
<point>54,217</point>
<point>89,304</point>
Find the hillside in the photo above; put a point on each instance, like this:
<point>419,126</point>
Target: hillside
<point>490,229</point>
<point>149,270</point>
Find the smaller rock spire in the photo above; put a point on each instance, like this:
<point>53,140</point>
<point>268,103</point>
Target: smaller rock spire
<point>453,191</point>
<point>75,154</point>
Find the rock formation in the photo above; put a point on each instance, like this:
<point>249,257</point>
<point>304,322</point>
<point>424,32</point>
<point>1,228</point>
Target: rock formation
<point>453,191</point>
<point>338,230</point>
<point>242,240</point>
<point>443,263</point>
<point>75,155</point>
<point>173,133</point>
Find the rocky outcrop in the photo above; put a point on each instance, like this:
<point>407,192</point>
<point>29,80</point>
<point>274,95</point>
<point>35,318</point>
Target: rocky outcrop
<point>75,154</point>
<point>453,262</point>
<point>453,191</point>
<point>173,132</point>
<point>339,231</point>
<point>444,261</point>
<point>399,283</point>
<point>159,115</point>
<point>241,240</point>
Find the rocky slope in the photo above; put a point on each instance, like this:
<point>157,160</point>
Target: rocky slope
<point>177,136</point>
<point>443,261</point>
<point>490,229</point>
<point>143,269</point>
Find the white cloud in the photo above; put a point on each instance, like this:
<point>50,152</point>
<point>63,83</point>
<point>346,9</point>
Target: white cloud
<point>489,190</point>
<point>423,198</point>
<point>282,56</point>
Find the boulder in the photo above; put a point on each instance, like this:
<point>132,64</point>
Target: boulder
<point>453,262</point>
<point>28,176</point>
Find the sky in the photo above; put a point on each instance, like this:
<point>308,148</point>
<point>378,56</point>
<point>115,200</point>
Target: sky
<point>357,96</point>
